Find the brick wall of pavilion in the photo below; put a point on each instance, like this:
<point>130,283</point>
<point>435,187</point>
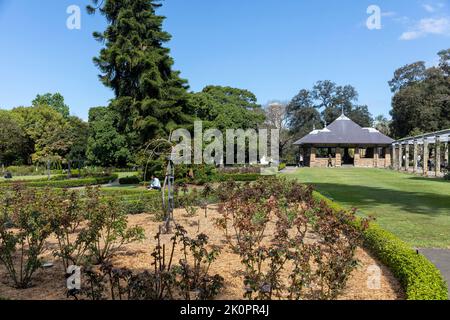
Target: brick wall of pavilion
<point>374,162</point>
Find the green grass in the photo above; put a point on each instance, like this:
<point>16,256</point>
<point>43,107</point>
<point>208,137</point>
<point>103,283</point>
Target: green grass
<point>415,209</point>
<point>127,174</point>
<point>27,178</point>
<point>23,178</point>
<point>133,187</point>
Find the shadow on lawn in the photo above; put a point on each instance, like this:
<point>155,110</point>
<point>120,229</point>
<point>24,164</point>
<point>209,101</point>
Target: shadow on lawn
<point>430,179</point>
<point>364,197</point>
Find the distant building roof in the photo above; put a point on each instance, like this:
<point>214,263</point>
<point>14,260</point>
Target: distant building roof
<point>345,131</point>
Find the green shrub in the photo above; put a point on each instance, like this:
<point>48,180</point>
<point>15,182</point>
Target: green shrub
<point>30,170</point>
<point>130,180</point>
<point>238,177</point>
<point>239,170</point>
<point>282,166</point>
<point>420,278</point>
<point>107,227</point>
<point>152,206</point>
<point>37,179</point>
<point>135,201</point>
<point>69,183</point>
<point>28,212</point>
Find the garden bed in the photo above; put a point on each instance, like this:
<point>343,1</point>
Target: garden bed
<point>50,283</point>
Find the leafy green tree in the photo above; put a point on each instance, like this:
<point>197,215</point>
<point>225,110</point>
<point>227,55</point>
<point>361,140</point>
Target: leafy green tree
<point>106,146</point>
<point>45,128</point>
<point>14,145</point>
<point>332,99</point>
<point>322,105</point>
<point>227,108</point>
<point>444,61</point>
<point>52,137</point>
<point>302,114</point>
<point>54,101</point>
<point>77,134</point>
<point>151,99</point>
<point>421,102</point>
<point>382,124</point>
<point>407,75</point>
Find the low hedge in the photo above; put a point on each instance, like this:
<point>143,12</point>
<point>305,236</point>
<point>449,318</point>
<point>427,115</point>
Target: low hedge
<point>223,177</point>
<point>238,177</point>
<point>18,180</point>
<point>69,183</point>
<point>151,206</point>
<point>130,180</point>
<point>420,278</point>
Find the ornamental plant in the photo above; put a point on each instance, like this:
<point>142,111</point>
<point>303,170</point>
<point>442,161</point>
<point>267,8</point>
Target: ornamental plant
<point>189,279</point>
<point>107,227</point>
<point>268,224</point>
<point>67,223</point>
<point>25,224</point>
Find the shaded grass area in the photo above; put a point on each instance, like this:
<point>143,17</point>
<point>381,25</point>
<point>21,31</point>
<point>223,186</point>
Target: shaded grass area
<point>415,209</point>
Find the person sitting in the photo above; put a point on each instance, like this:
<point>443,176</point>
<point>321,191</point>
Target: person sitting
<point>155,185</point>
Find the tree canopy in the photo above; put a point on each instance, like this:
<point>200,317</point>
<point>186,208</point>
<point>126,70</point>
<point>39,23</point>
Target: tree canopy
<point>421,101</point>
<point>13,140</point>
<point>50,135</point>
<point>106,147</point>
<point>227,108</point>
<point>151,99</point>
<point>40,133</point>
<point>54,101</point>
<point>322,105</point>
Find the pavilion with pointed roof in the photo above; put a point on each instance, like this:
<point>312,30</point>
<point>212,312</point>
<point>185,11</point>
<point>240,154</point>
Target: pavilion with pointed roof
<point>346,143</point>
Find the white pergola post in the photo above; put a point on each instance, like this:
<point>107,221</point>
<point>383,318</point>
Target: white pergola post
<point>421,152</point>
<point>447,153</point>
<point>407,156</point>
<point>375,157</point>
<point>394,157</point>
<point>437,166</point>
<point>415,157</point>
<point>425,157</point>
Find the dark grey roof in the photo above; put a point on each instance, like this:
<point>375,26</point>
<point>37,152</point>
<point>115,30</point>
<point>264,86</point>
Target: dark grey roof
<point>345,131</point>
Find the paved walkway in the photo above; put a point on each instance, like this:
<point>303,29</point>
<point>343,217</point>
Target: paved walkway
<point>441,259</point>
<point>289,170</point>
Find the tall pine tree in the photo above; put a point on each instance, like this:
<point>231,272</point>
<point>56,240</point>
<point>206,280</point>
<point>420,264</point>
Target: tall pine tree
<point>151,98</point>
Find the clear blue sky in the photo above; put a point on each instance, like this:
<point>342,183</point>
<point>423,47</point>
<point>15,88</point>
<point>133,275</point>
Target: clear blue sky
<point>273,48</point>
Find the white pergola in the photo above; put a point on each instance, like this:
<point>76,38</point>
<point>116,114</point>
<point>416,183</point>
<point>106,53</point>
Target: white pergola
<point>435,144</point>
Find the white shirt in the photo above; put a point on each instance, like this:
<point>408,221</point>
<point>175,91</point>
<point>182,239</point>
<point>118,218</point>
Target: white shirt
<point>156,183</point>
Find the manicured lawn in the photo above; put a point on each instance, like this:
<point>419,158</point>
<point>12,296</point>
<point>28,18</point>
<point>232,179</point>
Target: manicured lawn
<point>127,174</point>
<point>23,178</point>
<point>414,208</point>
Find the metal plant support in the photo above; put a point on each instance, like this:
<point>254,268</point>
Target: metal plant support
<point>167,190</point>
<point>168,195</point>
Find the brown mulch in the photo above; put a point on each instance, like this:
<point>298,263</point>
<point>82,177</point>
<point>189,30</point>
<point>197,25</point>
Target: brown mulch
<point>49,284</point>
